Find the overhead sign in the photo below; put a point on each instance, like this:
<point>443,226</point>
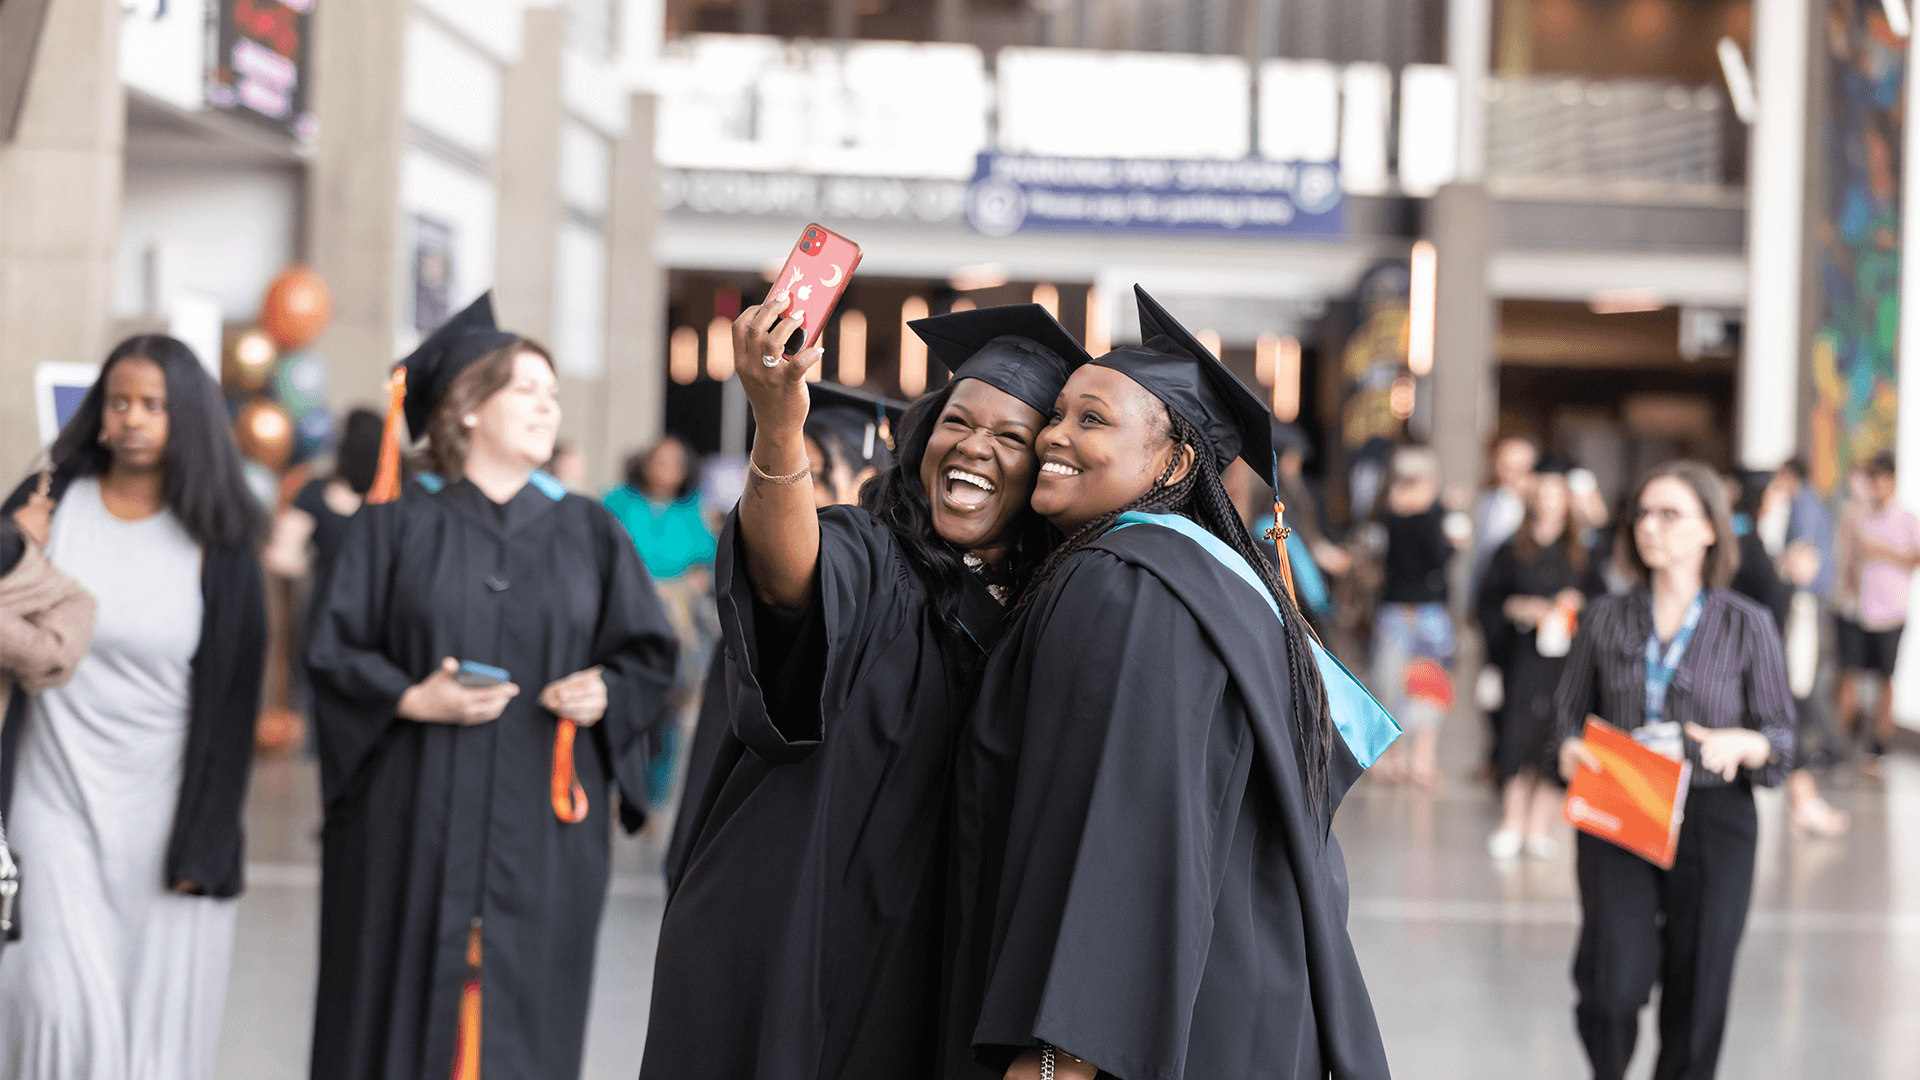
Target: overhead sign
<point>259,71</point>
<point>1015,192</point>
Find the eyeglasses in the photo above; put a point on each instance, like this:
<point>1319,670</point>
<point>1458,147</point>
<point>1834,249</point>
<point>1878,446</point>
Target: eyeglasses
<point>1666,516</point>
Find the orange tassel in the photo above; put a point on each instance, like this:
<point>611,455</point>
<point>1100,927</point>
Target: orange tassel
<point>466,1047</point>
<point>569,798</point>
<point>1278,534</point>
<point>386,481</point>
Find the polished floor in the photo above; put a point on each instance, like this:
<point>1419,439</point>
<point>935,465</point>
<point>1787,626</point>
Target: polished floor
<point>1467,961</point>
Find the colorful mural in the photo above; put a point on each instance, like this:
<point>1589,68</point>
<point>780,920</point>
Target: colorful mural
<point>1855,346</point>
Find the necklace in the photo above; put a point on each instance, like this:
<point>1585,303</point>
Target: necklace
<point>978,565</point>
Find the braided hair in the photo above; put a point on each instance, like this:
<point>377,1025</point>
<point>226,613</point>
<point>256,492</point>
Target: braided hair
<point>1201,497</point>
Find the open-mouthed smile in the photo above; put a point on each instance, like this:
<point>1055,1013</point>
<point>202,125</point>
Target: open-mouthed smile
<point>1058,469</point>
<point>966,491</point>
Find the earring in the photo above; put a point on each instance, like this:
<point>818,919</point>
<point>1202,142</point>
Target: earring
<point>470,420</point>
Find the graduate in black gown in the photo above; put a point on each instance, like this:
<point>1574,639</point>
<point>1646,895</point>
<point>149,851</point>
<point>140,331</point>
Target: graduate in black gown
<point>803,938</point>
<point>848,437</point>
<point>467,829</point>
<point>1146,882</point>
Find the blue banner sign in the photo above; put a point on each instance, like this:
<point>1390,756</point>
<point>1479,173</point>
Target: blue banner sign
<point>1014,192</point>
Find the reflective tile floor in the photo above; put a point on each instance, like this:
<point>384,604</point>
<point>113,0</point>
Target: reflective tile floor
<point>1467,961</point>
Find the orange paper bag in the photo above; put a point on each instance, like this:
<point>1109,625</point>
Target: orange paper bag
<point>1636,800</point>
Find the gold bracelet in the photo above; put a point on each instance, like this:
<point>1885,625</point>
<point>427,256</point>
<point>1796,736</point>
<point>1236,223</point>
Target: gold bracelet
<point>806,470</point>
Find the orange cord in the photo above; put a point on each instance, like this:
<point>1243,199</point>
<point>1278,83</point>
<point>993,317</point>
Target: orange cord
<point>569,798</point>
<point>1278,534</point>
<point>386,481</point>
<point>466,1046</point>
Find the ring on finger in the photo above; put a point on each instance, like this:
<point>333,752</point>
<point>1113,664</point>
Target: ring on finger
<point>770,361</point>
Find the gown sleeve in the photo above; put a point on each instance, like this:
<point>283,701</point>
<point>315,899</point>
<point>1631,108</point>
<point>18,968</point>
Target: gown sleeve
<point>637,650</point>
<point>1132,767</point>
<point>779,698</point>
<point>357,686</point>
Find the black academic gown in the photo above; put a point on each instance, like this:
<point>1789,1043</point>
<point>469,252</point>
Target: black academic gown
<point>802,938</point>
<point>1139,876</point>
<point>431,826</point>
<point>1528,680</point>
<point>709,733</point>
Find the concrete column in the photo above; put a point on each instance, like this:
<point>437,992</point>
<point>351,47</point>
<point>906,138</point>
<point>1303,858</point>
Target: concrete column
<point>353,202</point>
<point>1462,387</point>
<point>1772,344</point>
<point>529,180</point>
<point>60,181</point>
<point>634,393</point>
<point>1469,45</point>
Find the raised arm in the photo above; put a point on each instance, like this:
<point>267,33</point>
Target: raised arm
<point>779,526</point>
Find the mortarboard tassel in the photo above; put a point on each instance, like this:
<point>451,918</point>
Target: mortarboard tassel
<point>386,480</point>
<point>569,798</point>
<point>1278,534</point>
<point>466,1046</point>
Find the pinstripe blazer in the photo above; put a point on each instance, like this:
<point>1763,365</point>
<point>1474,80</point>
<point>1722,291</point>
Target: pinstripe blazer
<point>1733,674</point>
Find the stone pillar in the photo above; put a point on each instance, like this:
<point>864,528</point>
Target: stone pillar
<point>353,189</point>
<point>635,389</point>
<point>1462,388</point>
<point>60,182</point>
<point>1773,340</point>
<point>529,180</point>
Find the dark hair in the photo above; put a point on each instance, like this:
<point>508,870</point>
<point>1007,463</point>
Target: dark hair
<point>1528,549</point>
<point>844,434</point>
<point>897,499</point>
<point>1723,558</point>
<point>1880,464</point>
<point>1202,497</point>
<point>13,544</point>
<point>206,488</point>
<point>447,437</point>
<point>1797,467</point>
<point>640,461</point>
<point>358,457</point>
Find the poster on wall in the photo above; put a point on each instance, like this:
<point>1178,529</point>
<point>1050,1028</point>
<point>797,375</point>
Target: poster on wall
<point>1855,344</point>
<point>260,68</point>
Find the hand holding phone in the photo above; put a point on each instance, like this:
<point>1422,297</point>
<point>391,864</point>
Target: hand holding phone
<point>443,698</point>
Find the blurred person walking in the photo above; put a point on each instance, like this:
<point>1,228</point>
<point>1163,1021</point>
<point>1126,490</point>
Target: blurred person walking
<point>1413,635</point>
<point>1688,668</point>
<point>466,846</point>
<point>848,437</point>
<point>1880,551</point>
<point>660,507</point>
<point>1529,605</point>
<point>1497,514</point>
<point>308,534</point>
<point>128,782</point>
<point>803,937</point>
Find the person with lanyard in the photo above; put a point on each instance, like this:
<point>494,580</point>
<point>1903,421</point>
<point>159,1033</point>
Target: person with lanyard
<point>803,937</point>
<point>1694,670</point>
<point>489,662</point>
<point>1146,884</point>
<point>849,439</point>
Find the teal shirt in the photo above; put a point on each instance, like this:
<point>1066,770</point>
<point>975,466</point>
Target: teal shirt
<point>673,538</point>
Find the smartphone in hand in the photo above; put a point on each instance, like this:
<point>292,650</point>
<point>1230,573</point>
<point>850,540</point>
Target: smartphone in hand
<point>478,676</point>
<point>813,278</point>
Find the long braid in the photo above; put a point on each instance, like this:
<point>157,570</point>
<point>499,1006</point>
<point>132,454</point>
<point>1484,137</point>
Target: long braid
<point>1200,495</point>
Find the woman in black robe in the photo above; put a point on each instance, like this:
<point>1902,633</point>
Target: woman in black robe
<point>1531,596</point>
<point>803,936</point>
<point>1147,884</point>
<point>466,842</point>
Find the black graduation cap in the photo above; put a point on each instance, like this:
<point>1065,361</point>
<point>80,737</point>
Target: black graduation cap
<point>1019,348</point>
<point>867,420</point>
<point>445,353</point>
<point>1174,367</point>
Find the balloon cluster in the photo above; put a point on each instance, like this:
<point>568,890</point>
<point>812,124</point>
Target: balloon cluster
<point>278,388</point>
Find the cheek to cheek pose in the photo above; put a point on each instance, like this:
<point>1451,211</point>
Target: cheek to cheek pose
<point>1147,780</point>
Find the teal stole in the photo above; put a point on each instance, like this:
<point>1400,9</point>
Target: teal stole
<point>1364,724</point>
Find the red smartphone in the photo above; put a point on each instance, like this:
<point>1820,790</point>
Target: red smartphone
<point>814,277</point>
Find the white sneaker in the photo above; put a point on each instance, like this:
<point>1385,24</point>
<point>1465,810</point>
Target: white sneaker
<point>1504,844</point>
<point>1542,847</point>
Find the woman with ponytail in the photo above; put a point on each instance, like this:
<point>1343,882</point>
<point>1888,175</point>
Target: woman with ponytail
<point>1145,881</point>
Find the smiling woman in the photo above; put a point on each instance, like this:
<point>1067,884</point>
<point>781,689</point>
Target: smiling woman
<point>802,937</point>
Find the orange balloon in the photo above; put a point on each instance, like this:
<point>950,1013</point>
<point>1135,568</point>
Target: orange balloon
<point>264,432</point>
<point>247,362</point>
<point>297,308</point>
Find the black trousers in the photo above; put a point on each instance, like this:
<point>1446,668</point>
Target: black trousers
<point>1680,928</point>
